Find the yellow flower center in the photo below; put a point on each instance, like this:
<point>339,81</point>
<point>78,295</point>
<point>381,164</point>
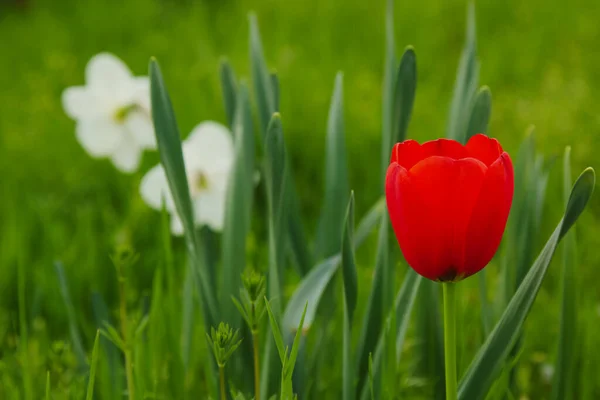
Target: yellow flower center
<point>198,183</point>
<point>122,113</point>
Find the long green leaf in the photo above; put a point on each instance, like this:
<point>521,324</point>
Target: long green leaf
<point>311,288</point>
<point>480,114</point>
<point>493,354</point>
<point>403,306</point>
<point>467,78</point>
<point>389,80</point>
<point>171,157</point>
<point>562,387</point>
<point>73,328</point>
<point>404,98</point>
<point>48,385</point>
<point>275,173</point>
<point>237,210</point>
<point>374,313</point>
<point>93,367</point>
<point>263,91</point>
<point>350,294</point>
<point>229,90</point>
<point>329,232</point>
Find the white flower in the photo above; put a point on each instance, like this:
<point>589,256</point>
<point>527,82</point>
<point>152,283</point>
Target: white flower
<point>112,112</point>
<point>208,156</point>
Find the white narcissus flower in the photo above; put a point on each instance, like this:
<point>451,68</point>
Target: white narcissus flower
<point>112,112</point>
<point>208,156</point>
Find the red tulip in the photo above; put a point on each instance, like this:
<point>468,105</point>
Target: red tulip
<point>449,203</point>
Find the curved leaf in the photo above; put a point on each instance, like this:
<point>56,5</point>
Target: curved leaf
<point>329,232</point>
<point>480,114</point>
<point>404,99</point>
<point>492,355</point>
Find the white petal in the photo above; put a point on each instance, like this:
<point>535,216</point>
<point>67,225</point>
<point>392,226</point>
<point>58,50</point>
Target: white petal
<point>142,92</point>
<point>80,102</point>
<point>210,209</point>
<point>209,147</point>
<point>140,127</point>
<point>176,225</point>
<point>99,137</point>
<point>105,69</point>
<point>154,187</point>
<point>127,155</point>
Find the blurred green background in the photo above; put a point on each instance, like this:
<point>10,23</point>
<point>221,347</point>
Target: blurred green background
<point>540,59</point>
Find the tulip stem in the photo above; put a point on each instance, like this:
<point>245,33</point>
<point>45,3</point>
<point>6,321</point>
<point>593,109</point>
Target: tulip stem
<point>450,339</point>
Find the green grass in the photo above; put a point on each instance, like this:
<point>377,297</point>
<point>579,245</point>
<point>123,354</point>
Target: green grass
<point>539,58</point>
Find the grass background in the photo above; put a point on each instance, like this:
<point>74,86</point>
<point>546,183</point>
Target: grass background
<point>539,57</point>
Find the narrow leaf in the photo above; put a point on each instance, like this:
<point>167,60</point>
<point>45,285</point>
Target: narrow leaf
<point>389,80</point>
<point>493,354</point>
<point>263,91</point>
<point>93,367</point>
<point>467,78</point>
<point>275,88</point>
<point>47,385</point>
<point>348,263</point>
<point>276,333</point>
<point>329,231</point>
<point>229,90</point>
<point>404,98</point>
<point>403,306</point>
<point>171,157</point>
<point>565,361</point>
<point>480,114</point>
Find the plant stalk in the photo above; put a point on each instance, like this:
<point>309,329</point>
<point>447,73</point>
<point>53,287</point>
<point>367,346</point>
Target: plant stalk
<point>125,334</point>
<point>255,345</point>
<point>450,339</point>
<point>222,382</point>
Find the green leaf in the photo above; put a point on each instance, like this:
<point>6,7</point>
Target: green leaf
<point>263,90</point>
<point>276,333</point>
<point>93,367</point>
<point>70,308</point>
<point>348,264</point>
<point>404,98</point>
<point>329,232</point>
<point>275,173</point>
<point>374,313</point>
<point>229,89</point>
<point>403,306</point>
<point>237,210</point>
<point>492,355</point>
<point>275,88</point>
<point>296,345</point>
<point>480,114</point>
<point>563,384</point>
<point>312,286</point>
<point>111,334</point>
<point>389,90</point>
<point>467,78</point>
<point>171,157</point>
<point>47,385</point>
<point>350,294</point>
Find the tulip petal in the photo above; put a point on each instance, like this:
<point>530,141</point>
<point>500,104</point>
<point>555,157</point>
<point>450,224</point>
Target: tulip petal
<point>490,214</point>
<point>485,149</point>
<point>407,153</point>
<point>444,148</point>
<point>154,187</point>
<point>99,137</point>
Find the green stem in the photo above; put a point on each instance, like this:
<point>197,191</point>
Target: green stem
<point>222,381</point>
<point>255,344</point>
<point>450,339</point>
<point>125,333</point>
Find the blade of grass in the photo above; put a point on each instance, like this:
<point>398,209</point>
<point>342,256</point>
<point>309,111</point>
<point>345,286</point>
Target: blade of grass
<point>350,295</point>
<point>73,329</point>
<point>467,77</point>
<point>171,156</point>
<point>389,81</point>
<point>480,114</point>
<point>492,355</point>
<point>562,387</point>
<point>23,331</point>
<point>403,306</point>
<point>93,367</point>
<point>47,385</point>
<point>329,231</point>
<point>229,90</point>
<point>404,97</point>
